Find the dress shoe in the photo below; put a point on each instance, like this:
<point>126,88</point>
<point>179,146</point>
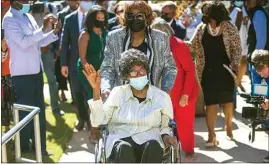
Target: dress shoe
<point>230,138</point>
<point>58,111</point>
<point>80,125</point>
<point>213,143</point>
<point>46,154</point>
<point>63,97</point>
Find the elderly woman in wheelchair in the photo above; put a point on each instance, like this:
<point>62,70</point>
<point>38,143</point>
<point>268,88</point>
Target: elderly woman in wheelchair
<point>136,114</point>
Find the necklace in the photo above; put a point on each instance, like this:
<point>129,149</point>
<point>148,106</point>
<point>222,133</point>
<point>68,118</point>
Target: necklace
<point>214,32</point>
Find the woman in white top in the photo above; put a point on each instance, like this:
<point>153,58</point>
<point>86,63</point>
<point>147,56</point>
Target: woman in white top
<point>137,114</point>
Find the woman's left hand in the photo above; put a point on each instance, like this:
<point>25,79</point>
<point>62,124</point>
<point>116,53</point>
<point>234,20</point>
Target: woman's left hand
<point>168,140</point>
<point>93,77</point>
<point>184,100</point>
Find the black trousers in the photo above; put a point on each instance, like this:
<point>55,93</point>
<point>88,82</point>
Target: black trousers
<point>80,98</point>
<point>127,151</point>
<point>62,81</point>
<point>29,91</point>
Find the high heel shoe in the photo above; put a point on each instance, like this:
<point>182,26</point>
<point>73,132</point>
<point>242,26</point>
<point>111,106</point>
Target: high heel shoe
<point>213,143</point>
<point>230,138</point>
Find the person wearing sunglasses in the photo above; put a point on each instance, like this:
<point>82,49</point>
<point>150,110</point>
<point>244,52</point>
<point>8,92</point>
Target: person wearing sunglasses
<point>137,34</point>
<point>137,114</point>
<point>169,9</point>
<point>117,22</point>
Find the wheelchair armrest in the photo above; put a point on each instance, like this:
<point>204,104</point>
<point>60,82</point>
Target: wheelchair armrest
<point>172,124</point>
<point>102,127</point>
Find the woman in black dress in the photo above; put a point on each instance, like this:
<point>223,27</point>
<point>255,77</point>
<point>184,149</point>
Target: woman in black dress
<point>217,43</point>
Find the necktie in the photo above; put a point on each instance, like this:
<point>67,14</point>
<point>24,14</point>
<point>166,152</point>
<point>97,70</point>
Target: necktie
<point>83,17</point>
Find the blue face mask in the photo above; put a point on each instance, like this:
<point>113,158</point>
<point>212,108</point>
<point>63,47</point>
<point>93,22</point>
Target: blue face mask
<point>139,83</point>
<point>86,5</point>
<point>238,3</point>
<point>25,8</point>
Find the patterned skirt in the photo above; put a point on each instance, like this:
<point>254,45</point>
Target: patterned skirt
<point>8,100</point>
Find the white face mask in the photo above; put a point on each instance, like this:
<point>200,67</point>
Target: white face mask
<point>139,83</point>
<point>86,5</point>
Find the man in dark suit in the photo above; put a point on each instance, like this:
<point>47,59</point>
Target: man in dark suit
<point>69,53</point>
<point>71,6</point>
<point>168,14</point>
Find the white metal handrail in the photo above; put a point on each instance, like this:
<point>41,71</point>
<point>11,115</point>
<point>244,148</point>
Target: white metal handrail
<point>19,125</point>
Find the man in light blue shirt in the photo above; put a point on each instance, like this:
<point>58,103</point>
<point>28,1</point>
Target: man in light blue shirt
<point>257,34</point>
<point>24,39</point>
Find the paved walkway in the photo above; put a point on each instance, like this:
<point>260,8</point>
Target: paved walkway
<point>241,150</point>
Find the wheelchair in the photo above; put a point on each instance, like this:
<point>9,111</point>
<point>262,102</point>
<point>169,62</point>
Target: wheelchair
<point>171,154</point>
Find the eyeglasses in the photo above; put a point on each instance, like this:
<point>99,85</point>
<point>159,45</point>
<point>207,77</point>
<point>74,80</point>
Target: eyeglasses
<point>166,14</point>
<point>140,16</point>
<point>142,72</point>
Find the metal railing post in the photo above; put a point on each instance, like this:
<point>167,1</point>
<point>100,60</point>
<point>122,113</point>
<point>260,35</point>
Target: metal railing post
<point>17,136</point>
<point>37,139</point>
<point>4,153</point>
<point>15,131</point>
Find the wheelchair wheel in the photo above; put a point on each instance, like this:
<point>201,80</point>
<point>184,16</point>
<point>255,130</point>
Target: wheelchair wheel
<point>99,152</point>
<point>173,156</point>
<point>180,155</point>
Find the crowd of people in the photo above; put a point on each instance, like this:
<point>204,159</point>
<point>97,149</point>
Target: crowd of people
<point>133,65</point>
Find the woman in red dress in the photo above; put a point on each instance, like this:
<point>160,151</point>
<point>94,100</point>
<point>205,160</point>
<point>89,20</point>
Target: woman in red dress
<point>185,91</point>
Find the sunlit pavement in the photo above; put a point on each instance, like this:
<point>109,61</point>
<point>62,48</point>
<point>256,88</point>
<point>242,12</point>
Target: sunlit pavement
<point>80,149</point>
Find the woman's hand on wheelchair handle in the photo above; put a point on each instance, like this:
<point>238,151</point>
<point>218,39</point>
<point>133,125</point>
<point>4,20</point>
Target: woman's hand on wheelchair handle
<point>168,140</point>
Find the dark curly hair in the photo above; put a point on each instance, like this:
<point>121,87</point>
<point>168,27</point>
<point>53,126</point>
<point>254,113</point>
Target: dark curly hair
<point>143,7</point>
<point>218,12</point>
<point>90,18</point>
<point>131,58</point>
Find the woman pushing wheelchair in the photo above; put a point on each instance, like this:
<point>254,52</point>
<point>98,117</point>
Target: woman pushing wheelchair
<point>137,113</point>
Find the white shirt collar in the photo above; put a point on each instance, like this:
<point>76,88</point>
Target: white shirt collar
<point>129,93</point>
<point>80,17</point>
<point>80,13</point>
<point>170,23</point>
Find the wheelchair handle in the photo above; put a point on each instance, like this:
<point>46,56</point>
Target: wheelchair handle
<point>172,124</point>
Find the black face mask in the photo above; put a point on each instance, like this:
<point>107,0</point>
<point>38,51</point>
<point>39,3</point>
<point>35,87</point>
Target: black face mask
<point>137,25</point>
<point>166,18</point>
<point>99,24</point>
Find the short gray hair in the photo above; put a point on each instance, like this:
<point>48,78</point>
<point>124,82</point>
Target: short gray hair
<point>260,58</point>
<point>131,58</point>
<point>162,25</point>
